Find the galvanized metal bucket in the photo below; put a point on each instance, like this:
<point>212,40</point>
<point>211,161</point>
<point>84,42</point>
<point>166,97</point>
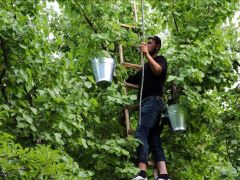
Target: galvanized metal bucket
<point>103,69</point>
<point>176,117</point>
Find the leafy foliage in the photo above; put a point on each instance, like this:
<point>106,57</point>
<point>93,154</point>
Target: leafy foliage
<point>53,115</point>
<point>38,162</point>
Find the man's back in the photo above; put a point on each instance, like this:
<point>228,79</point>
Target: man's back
<point>153,84</point>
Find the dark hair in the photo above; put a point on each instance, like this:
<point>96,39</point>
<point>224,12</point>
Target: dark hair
<point>156,39</point>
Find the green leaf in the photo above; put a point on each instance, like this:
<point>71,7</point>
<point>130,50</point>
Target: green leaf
<point>91,79</point>
<point>87,84</point>
<point>58,138</point>
<point>6,107</point>
<point>27,118</point>
<point>84,143</point>
<point>33,110</point>
<point>23,46</point>
<point>51,93</point>
<point>133,97</point>
<point>171,78</point>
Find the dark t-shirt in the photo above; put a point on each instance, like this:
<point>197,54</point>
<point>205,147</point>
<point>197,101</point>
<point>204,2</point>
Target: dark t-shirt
<point>153,85</point>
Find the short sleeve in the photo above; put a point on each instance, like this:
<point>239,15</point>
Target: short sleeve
<point>162,62</point>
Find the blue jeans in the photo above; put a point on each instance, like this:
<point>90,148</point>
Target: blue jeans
<point>149,130</point>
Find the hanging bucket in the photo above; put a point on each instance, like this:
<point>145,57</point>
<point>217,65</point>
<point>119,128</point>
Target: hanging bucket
<point>176,118</point>
<point>103,69</point>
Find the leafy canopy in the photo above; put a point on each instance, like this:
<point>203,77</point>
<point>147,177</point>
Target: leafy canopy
<point>56,123</point>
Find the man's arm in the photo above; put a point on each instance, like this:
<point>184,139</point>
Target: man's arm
<point>156,68</point>
<point>133,79</point>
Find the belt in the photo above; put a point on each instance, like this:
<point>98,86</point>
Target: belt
<point>156,97</point>
<point>159,97</point>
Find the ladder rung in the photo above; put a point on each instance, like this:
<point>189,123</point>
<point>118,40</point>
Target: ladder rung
<point>127,26</point>
<point>134,28</point>
<point>151,163</point>
<point>133,107</point>
<point>132,86</point>
<point>130,65</point>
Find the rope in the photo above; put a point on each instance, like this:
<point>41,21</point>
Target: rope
<point>142,63</point>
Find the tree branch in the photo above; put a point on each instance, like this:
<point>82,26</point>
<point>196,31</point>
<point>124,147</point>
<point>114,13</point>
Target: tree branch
<point>173,90</point>
<point>175,22</point>
<point>5,65</point>
<point>29,97</point>
<point>90,23</point>
<point>5,55</point>
<point>174,18</point>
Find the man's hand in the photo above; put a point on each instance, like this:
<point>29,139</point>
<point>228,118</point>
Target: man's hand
<point>144,48</point>
<point>156,68</point>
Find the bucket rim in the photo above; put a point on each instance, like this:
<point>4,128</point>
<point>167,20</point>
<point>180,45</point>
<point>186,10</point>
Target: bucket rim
<point>102,58</point>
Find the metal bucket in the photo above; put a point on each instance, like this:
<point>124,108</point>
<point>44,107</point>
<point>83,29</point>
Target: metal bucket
<point>176,117</point>
<point>103,69</point>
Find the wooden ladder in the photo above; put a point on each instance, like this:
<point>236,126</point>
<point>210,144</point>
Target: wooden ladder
<point>128,85</point>
<point>134,107</point>
<point>132,66</point>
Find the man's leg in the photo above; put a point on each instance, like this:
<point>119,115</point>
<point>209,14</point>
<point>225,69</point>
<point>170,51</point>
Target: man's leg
<point>156,146</point>
<point>162,167</point>
<point>157,150</point>
<point>149,116</point>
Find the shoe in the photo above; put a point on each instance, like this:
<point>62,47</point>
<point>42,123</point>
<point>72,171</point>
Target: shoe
<point>163,177</point>
<point>141,176</point>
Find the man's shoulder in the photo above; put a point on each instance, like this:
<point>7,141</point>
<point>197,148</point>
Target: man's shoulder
<point>161,58</point>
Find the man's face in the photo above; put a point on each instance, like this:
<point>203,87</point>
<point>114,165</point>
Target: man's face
<point>152,47</point>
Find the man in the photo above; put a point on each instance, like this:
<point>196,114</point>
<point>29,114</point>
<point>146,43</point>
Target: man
<point>148,131</point>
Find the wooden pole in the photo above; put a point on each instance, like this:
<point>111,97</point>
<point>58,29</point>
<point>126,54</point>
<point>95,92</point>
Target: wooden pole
<point>135,11</point>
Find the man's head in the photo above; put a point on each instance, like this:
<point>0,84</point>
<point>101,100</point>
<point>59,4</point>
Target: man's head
<point>154,45</point>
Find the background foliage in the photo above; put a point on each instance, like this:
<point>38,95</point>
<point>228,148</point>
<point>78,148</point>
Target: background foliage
<point>56,123</point>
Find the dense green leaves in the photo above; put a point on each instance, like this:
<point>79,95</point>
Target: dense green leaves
<point>56,123</point>
<point>38,162</point>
